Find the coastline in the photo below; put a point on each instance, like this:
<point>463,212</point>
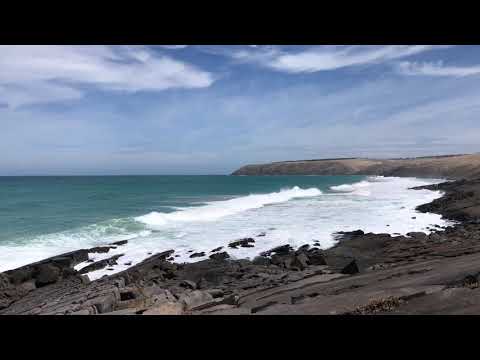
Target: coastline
<point>362,273</point>
<point>454,167</point>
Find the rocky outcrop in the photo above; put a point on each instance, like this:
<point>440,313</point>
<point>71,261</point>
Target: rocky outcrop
<point>449,167</point>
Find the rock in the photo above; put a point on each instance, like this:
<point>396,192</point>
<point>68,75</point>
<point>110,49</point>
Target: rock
<point>351,268</point>
<point>128,263</point>
<point>315,257</point>
<point>188,284</point>
<point>119,243</point>
<point>261,260</point>
<point>98,265</point>
<point>216,293</point>
<point>302,261</point>
<point>416,234</point>
<point>46,274</point>
<point>217,249</point>
<point>195,255</point>
<point>279,250</point>
<point>20,275</point>
<point>303,248</point>
<point>63,261</point>
<point>103,304</point>
<point>220,256</point>
<point>168,308</point>
<point>242,243</point>
<point>262,234</point>
<point>100,249</point>
<point>196,299</point>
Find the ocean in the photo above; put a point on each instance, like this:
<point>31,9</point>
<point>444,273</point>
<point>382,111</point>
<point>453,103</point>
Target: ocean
<point>45,216</point>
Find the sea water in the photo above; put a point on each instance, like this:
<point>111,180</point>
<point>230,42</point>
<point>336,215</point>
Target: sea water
<point>45,216</point>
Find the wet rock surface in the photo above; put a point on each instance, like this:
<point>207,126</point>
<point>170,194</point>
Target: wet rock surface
<point>363,273</point>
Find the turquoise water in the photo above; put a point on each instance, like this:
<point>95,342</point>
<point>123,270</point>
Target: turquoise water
<point>45,216</point>
<point>32,206</point>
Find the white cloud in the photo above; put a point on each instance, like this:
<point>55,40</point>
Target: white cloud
<point>325,58</point>
<point>173,47</point>
<point>38,74</point>
<point>436,69</point>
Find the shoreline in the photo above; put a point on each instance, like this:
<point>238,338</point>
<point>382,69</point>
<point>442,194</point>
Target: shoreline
<point>304,280</point>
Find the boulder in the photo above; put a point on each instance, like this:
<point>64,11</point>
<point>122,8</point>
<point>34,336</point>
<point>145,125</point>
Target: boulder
<point>46,274</point>
<point>220,256</point>
<point>279,250</point>
<point>261,260</point>
<point>315,257</point>
<point>351,268</point>
<point>217,249</point>
<point>119,243</point>
<point>100,264</point>
<point>188,284</point>
<point>195,299</point>
<point>195,255</point>
<point>242,243</point>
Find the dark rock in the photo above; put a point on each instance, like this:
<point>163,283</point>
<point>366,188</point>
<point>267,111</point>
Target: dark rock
<point>351,268</point>
<point>46,274</point>
<point>279,250</point>
<point>301,261</point>
<point>262,234</point>
<point>261,260</point>
<point>188,284</point>
<point>100,249</point>
<point>100,264</point>
<point>242,243</point>
<point>195,255</point>
<point>220,256</point>
<point>215,293</point>
<point>128,263</point>
<point>119,243</point>
<point>303,248</point>
<point>217,249</point>
<point>315,257</point>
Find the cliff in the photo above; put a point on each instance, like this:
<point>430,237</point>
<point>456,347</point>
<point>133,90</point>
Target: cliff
<point>449,167</point>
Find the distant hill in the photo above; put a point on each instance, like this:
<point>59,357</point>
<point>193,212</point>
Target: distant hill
<point>445,166</point>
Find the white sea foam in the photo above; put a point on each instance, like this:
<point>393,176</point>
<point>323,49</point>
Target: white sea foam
<point>360,188</point>
<point>295,216</point>
<point>218,209</point>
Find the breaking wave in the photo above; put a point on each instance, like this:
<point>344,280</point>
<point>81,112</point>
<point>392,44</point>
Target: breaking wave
<point>212,211</point>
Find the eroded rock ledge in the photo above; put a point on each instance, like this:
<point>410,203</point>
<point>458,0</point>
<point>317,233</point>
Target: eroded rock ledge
<point>363,274</point>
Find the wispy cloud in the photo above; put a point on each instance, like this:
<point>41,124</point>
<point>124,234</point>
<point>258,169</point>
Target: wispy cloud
<point>326,58</point>
<point>37,74</point>
<point>436,69</point>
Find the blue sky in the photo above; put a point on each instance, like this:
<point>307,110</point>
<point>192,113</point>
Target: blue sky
<point>194,109</point>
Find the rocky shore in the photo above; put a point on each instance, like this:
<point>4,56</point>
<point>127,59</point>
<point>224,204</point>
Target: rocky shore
<point>364,273</point>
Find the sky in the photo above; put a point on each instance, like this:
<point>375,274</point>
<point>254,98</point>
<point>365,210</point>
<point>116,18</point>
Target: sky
<point>209,109</point>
